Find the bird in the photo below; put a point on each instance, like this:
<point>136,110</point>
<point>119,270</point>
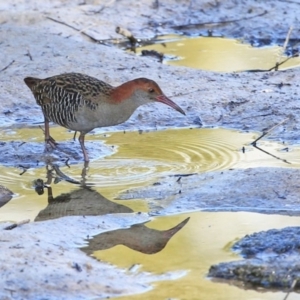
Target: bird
<point>82,103</point>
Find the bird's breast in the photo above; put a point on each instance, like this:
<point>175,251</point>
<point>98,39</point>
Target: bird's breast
<point>103,115</point>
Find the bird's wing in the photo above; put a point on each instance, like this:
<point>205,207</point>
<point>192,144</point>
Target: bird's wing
<point>79,87</point>
<point>71,89</point>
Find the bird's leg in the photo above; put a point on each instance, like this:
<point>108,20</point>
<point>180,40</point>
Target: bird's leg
<point>81,141</point>
<point>74,137</point>
<point>48,139</point>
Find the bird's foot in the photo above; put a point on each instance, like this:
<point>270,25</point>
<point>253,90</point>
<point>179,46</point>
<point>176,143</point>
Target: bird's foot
<point>50,142</point>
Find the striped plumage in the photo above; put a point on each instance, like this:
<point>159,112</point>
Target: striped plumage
<point>80,102</point>
<point>61,96</point>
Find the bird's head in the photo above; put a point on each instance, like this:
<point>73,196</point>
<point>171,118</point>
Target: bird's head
<point>143,90</point>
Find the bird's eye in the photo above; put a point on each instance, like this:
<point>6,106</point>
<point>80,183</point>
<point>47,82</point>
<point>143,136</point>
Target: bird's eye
<point>151,90</point>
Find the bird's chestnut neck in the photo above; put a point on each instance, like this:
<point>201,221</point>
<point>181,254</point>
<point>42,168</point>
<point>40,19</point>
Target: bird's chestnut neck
<point>122,92</point>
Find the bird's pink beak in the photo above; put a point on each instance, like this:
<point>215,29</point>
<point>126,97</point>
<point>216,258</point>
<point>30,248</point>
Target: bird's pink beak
<point>164,99</point>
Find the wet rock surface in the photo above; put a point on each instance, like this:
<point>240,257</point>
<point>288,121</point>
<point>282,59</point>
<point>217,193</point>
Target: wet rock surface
<point>36,154</point>
<point>264,190</point>
<point>271,242</point>
<point>271,261</point>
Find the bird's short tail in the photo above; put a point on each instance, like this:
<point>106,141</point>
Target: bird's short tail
<point>31,81</point>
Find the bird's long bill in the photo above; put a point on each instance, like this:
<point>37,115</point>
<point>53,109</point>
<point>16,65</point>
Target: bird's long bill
<point>164,99</point>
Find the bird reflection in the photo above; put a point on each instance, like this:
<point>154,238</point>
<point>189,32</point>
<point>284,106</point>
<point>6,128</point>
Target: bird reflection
<point>138,237</point>
<point>88,202</point>
<point>53,173</point>
<point>5,195</point>
<point>80,202</point>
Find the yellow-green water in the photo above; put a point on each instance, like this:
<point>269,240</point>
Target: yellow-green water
<point>219,54</point>
<point>204,241</point>
<point>140,160</point>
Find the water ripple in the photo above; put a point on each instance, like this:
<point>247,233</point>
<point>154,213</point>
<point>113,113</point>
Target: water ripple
<point>141,158</point>
<point>163,153</point>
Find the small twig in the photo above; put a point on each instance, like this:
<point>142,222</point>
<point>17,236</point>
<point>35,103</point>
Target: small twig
<point>279,62</point>
<point>268,131</point>
<point>254,143</point>
<point>86,28</point>
<point>183,175</point>
<point>29,55</point>
<point>103,7</point>
<point>22,144</point>
<point>10,227</point>
<point>286,1</point>
<point>24,169</point>
<point>277,157</point>
<point>291,289</point>
<point>263,115</point>
<point>280,196</point>
<point>80,31</point>
<point>7,66</point>
<point>189,26</point>
<point>153,53</point>
<point>287,39</point>
<point>61,22</point>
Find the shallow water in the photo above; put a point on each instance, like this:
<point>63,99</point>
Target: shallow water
<point>141,159</point>
<point>205,240</point>
<point>219,54</point>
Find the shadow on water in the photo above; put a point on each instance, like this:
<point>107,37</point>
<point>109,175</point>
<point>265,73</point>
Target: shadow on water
<point>87,202</point>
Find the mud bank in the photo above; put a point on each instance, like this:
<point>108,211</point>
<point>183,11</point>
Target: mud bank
<point>264,190</point>
<point>33,45</point>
